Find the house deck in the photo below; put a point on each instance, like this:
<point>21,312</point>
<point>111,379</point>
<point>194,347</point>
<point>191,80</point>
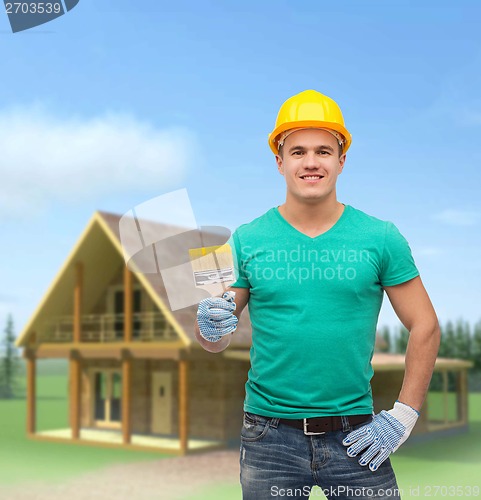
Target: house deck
<point>114,437</point>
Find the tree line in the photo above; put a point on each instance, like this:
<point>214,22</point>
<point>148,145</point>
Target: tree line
<point>458,340</point>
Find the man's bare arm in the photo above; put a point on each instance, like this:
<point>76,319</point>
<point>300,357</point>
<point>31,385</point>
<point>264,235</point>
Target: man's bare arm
<point>413,307</point>
<point>241,300</point>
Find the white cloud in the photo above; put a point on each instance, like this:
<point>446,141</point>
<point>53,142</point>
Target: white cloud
<point>47,158</point>
<point>458,217</point>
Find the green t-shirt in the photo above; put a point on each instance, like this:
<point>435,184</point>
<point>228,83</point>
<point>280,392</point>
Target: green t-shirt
<point>314,305</point>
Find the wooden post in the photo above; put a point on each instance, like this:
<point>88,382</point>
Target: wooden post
<point>462,397</point>
<point>77,302</point>
<point>183,405</point>
<point>128,306</point>
<point>31,393</point>
<point>75,394</point>
<point>126,397</point>
<point>445,396</point>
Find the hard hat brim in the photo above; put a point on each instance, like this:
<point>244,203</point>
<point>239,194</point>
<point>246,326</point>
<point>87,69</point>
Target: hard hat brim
<point>273,137</point>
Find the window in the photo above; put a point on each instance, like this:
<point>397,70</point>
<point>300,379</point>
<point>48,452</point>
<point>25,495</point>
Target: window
<point>107,396</point>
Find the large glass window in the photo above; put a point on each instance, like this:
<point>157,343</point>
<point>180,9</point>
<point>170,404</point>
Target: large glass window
<point>119,313</point>
<point>108,396</point>
<point>115,414</point>
<point>100,395</point>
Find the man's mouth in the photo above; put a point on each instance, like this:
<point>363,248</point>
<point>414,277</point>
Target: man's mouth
<point>311,178</point>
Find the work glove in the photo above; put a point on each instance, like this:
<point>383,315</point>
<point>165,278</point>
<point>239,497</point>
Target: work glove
<point>215,316</point>
<point>383,435</point>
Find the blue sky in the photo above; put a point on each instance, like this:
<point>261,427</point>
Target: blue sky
<point>118,102</point>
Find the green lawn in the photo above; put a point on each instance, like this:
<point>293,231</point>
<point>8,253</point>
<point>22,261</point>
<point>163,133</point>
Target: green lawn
<point>454,461</point>
<point>21,457</point>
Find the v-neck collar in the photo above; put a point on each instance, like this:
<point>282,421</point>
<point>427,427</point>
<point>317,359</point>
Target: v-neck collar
<point>338,223</point>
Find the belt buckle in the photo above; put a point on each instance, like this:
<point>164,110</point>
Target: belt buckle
<point>306,432</point>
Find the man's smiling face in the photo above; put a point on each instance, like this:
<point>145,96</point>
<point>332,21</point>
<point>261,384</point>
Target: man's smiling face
<point>310,164</point>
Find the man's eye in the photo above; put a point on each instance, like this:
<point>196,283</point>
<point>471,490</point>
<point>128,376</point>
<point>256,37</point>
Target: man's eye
<point>297,153</point>
<point>324,152</point>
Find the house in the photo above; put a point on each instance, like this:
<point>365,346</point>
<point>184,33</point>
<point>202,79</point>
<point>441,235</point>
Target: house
<point>137,376</point>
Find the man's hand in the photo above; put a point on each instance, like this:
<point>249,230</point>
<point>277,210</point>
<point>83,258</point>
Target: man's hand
<point>383,435</point>
<point>215,317</point>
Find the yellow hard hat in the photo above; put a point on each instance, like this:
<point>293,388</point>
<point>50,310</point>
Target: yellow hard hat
<point>309,109</point>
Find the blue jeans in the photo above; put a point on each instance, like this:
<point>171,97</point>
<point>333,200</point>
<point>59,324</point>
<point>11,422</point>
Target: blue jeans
<point>280,461</point>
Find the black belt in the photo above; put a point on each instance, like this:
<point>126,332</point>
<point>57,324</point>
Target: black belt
<point>320,425</point>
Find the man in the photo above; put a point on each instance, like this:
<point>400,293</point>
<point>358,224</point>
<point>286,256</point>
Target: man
<point>313,271</point>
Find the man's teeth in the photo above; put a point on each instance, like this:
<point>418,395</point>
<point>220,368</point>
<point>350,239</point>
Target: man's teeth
<point>310,177</point>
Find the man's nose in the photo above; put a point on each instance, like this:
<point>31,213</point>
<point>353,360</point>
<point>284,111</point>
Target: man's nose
<point>311,160</point>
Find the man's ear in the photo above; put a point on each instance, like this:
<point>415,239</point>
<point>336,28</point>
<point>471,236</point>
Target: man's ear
<point>280,166</point>
<point>342,160</point>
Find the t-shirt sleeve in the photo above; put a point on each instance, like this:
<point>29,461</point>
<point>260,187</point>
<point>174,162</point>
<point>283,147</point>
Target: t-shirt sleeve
<point>241,280</point>
<point>397,261</point>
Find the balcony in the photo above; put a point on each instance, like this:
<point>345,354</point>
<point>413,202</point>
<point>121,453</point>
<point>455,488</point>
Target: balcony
<point>103,328</point>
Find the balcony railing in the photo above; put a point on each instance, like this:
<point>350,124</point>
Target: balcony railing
<point>146,327</point>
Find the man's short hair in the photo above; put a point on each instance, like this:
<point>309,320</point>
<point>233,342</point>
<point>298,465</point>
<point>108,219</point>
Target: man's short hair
<point>340,146</point>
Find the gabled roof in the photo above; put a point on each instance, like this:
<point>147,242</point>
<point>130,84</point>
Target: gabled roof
<point>105,226</point>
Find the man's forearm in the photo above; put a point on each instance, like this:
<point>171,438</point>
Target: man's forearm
<point>421,353</point>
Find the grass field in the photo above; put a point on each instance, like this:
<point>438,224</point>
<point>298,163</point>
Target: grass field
<point>451,462</point>
<point>21,457</point>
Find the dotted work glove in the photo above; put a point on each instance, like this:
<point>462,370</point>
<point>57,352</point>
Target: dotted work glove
<point>383,435</point>
<point>215,316</point>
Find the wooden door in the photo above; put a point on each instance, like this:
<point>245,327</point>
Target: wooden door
<point>162,402</point>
